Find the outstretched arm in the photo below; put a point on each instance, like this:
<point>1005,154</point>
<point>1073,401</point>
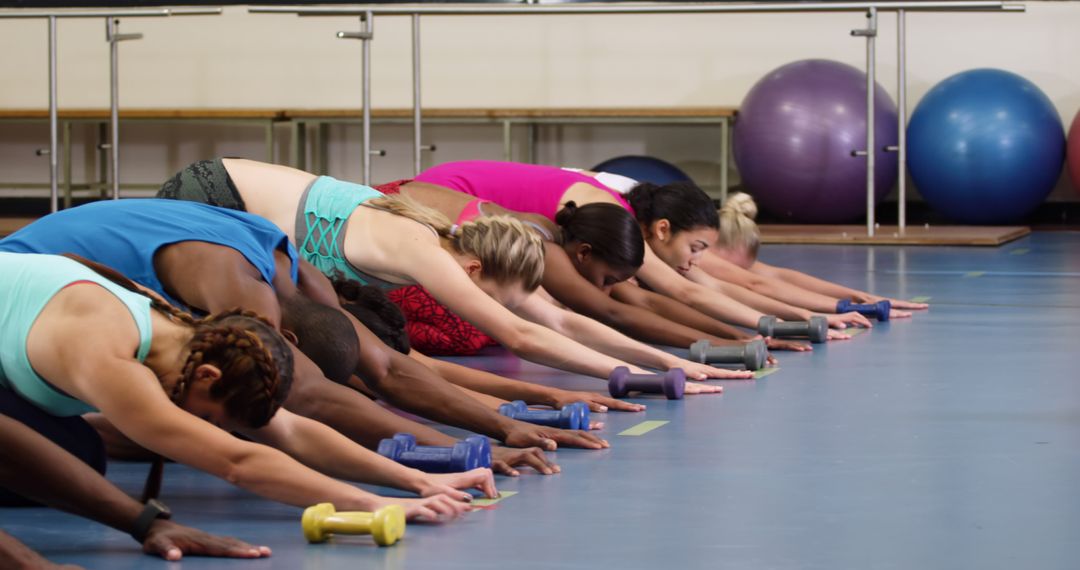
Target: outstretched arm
<point>778,289</point>
<point>666,281</point>
<point>716,331</point>
<point>440,274</point>
<point>610,341</point>
<point>824,287</point>
<point>566,285</point>
<point>37,468</point>
<point>329,452</point>
<point>507,389</point>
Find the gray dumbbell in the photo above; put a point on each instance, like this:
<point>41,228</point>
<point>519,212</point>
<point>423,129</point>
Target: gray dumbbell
<point>816,329</point>
<point>751,355</point>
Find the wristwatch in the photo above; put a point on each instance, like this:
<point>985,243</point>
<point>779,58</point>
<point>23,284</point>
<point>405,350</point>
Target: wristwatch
<point>152,511</point>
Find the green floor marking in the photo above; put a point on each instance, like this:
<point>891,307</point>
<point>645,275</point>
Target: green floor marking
<point>854,331</point>
<point>920,299</point>
<point>763,372</point>
<point>974,274</point>
<point>1019,251</point>
<point>489,502</point>
<point>644,427</point>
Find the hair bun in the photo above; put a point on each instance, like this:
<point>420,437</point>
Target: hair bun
<point>566,214</point>
<point>742,204</point>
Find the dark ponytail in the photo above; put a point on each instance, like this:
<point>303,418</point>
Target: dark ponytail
<point>610,230</point>
<point>682,204</point>
<point>374,310</point>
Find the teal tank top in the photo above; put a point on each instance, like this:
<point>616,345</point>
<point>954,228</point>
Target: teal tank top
<point>27,283</point>
<point>322,217</point>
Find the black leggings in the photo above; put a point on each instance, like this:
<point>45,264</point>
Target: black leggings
<point>73,434</point>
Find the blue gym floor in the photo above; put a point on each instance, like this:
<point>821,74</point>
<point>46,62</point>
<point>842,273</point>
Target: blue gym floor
<point>951,440</point>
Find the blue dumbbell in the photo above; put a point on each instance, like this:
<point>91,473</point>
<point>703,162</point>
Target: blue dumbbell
<point>573,416</point>
<point>879,310</point>
<point>474,452</point>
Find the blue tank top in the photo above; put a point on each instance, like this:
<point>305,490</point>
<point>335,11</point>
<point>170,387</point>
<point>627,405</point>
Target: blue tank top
<point>125,235</point>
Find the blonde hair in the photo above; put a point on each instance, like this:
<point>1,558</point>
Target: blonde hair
<point>507,249</point>
<point>737,227</point>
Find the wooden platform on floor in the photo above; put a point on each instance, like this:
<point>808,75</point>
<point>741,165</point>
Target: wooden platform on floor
<point>891,235</point>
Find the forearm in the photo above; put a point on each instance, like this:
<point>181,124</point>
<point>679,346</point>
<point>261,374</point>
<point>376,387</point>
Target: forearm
<point>356,416</point>
<point>609,341</point>
<point>545,346</point>
<point>274,475</point>
<point>763,304</point>
<point>37,468</point>
<point>789,293</point>
<point>331,453</point>
<point>820,286</point>
<point>411,386</point>
<point>712,329</point>
<point>488,383</point>
<point>645,325</point>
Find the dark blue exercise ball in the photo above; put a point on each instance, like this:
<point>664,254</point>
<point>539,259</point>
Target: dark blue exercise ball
<point>985,146</point>
<point>643,169</point>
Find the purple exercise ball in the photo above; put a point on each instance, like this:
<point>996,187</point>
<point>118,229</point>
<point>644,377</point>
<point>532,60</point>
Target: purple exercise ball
<point>794,136</point>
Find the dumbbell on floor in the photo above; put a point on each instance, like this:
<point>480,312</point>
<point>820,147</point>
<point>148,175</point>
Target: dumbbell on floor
<point>879,310</point>
<point>816,329</point>
<point>670,383</point>
<point>751,355</point>
<point>386,525</point>
<point>474,452</point>
<point>572,416</point>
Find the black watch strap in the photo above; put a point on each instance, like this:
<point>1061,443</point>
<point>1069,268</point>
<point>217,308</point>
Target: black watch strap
<point>152,511</point>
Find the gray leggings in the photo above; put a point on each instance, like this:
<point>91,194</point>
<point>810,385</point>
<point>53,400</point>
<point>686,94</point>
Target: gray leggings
<point>206,182</point>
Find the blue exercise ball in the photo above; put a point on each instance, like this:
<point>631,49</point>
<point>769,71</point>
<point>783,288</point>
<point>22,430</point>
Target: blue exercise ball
<point>643,169</point>
<point>985,146</point>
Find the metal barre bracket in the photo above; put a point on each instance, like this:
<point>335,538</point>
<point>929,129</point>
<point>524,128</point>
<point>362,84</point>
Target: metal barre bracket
<point>355,35</point>
<point>113,37</point>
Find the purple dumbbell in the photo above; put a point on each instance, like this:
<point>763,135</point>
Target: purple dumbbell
<point>879,310</point>
<point>573,416</point>
<point>670,383</point>
<point>474,452</point>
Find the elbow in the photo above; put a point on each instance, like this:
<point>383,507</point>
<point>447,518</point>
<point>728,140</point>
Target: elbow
<point>519,342</point>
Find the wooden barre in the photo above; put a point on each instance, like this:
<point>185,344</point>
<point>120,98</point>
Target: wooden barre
<point>290,114</point>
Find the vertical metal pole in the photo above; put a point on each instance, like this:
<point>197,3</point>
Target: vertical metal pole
<point>901,118</point>
<point>54,190</point>
<point>367,28</point>
<point>724,152</point>
<point>416,92</point>
<point>871,151</point>
<point>111,25</point>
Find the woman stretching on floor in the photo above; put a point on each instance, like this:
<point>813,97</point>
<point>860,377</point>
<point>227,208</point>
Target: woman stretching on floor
<point>678,222</point>
<point>476,268</point>
<point>591,250</point>
<point>77,340</point>
<point>734,259</point>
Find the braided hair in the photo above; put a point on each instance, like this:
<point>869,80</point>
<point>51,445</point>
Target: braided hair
<point>255,361</point>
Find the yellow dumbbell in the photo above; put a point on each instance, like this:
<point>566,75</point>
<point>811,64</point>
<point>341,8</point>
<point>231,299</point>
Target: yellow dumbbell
<point>385,525</point>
